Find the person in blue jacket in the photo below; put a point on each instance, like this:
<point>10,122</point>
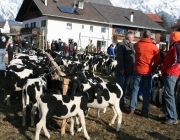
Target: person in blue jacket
<point>111,51</point>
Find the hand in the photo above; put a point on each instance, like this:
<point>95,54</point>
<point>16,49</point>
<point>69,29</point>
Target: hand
<point>122,72</point>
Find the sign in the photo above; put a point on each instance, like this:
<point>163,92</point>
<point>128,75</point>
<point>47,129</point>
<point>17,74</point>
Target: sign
<point>167,37</point>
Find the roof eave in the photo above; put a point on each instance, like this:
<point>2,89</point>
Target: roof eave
<point>77,19</point>
<point>136,26</point>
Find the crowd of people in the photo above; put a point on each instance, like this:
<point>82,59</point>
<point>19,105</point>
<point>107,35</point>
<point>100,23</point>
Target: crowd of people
<point>139,61</point>
<point>64,48</point>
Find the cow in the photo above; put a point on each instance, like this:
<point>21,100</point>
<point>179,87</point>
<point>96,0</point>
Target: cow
<point>63,107</point>
<point>110,96</point>
<point>13,81</point>
<point>32,89</point>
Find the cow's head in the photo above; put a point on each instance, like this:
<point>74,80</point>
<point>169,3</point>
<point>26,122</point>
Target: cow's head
<point>75,87</point>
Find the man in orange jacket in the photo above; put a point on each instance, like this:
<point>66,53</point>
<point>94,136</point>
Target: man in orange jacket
<point>147,59</point>
<point>171,71</point>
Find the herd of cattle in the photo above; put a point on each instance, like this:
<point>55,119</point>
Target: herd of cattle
<point>32,73</point>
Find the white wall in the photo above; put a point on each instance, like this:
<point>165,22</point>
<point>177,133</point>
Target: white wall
<point>57,29</point>
<point>38,24</point>
<point>6,28</point>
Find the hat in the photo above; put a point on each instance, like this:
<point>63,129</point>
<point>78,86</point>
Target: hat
<point>175,36</point>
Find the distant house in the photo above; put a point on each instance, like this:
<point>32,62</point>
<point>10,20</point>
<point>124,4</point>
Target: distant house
<point>175,26</point>
<point>123,20</point>
<point>103,24</point>
<point>4,26</point>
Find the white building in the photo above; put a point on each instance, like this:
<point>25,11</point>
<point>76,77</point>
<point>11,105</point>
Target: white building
<point>84,25</point>
<point>4,26</point>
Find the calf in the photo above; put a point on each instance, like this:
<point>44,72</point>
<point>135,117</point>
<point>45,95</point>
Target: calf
<point>62,107</point>
<point>33,89</point>
<point>157,87</point>
<point>13,81</point>
<point>110,96</point>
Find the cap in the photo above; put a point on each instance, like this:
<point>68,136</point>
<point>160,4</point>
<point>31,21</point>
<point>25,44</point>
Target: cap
<point>175,36</point>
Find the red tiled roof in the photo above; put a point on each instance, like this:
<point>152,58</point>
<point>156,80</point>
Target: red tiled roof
<point>154,17</point>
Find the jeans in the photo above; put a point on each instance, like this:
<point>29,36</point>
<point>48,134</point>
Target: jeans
<point>169,84</point>
<point>2,54</point>
<point>123,81</point>
<point>145,87</point>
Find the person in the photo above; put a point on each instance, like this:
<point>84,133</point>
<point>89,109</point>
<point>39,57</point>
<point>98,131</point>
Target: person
<point>19,47</point>
<point>108,49</point>
<point>61,47</point>
<point>111,50</point>
<point>163,53</point>
<point>25,43</point>
<point>90,46</point>
<point>170,72</point>
<point>4,42</point>
<point>125,62</point>
<point>11,51</point>
<point>66,49</point>
<point>147,60</point>
<point>53,46</point>
<point>71,48</point>
<point>75,49</point>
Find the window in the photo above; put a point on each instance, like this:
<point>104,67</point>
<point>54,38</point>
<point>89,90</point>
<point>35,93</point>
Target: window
<point>91,28</point>
<point>137,34</point>
<point>101,45</point>
<point>43,23</point>
<point>33,25</point>
<point>69,26</point>
<point>153,35</point>
<point>82,26</point>
<point>103,30</point>
<point>26,25</point>
<point>121,31</point>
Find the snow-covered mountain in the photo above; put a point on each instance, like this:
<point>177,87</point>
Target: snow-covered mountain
<point>169,8</point>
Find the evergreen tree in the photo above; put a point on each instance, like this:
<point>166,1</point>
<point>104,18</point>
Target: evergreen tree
<point>164,24</point>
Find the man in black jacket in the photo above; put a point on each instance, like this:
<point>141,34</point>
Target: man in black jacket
<point>125,62</point>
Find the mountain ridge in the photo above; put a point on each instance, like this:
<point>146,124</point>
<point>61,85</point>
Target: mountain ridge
<point>168,8</point>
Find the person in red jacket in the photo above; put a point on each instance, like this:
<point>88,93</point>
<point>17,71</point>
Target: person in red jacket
<point>171,71</point>
<point>147,59</point>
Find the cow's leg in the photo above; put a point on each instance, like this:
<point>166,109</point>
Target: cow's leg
<point>77,120</point>
<point>155,94</point>
<point>72,126</point>
<point>82,120</point>
<point>24,115</point>
<point>38,128</point>
<point>8,99</point>
<point>119,113</point>
<point>114,117</point>
<point>33,110</point>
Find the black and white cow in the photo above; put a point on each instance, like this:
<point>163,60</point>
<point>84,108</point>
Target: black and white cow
<point>110,96</point>
<point>62,107</point>
<point>13,81</point>
<point>31,91</point>
<point>157,87</point>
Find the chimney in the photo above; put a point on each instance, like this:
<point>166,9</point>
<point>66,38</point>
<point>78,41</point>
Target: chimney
<point>75,6</point>
<point>45,2</point>
<point>131,16</point>
<point>81,4</point>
